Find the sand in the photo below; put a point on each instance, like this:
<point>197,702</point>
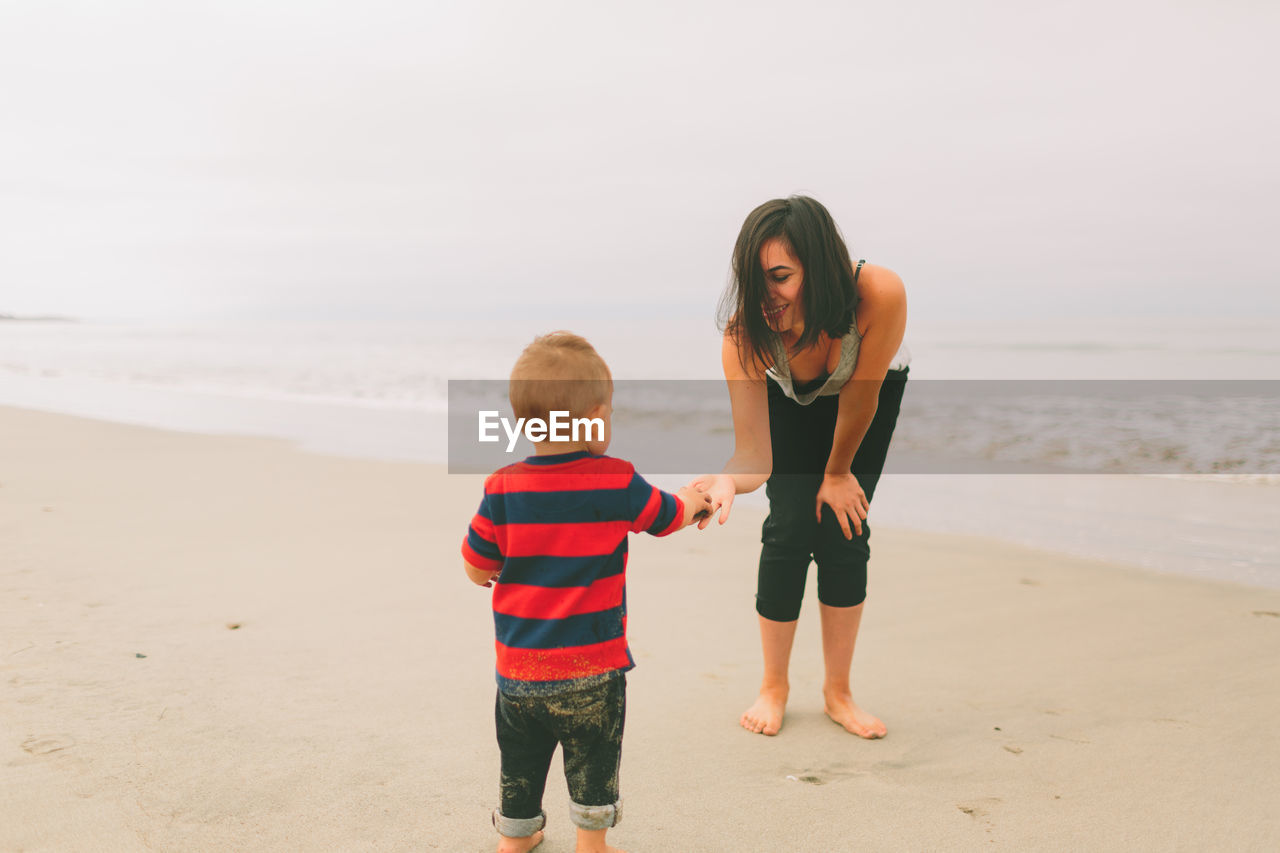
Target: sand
<point>212,643</point>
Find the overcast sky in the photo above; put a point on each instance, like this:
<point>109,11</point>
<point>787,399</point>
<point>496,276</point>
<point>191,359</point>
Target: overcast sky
<point>402,158</point>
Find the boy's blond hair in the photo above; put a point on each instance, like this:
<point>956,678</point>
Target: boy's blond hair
<point>559,372</point>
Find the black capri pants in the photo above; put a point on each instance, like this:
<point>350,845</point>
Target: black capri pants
<point>792,536</point>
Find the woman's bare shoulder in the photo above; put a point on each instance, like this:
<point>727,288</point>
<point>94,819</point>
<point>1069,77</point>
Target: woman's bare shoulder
<point>880,284</point>
<point>882,298</point>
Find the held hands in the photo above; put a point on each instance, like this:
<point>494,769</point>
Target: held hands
<point>721,489</point>
<point>842,493</point>
<point>697,504</point>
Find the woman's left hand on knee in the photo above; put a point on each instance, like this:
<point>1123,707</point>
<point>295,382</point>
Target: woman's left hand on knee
<point>844,495</point>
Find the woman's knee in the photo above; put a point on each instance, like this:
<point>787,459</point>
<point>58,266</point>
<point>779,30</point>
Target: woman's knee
<point>780,582</point>
<point>777,608</point>
<point>842,586</point>
<point>842,569</point>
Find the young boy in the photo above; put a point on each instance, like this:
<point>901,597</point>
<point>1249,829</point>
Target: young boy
<point>552,530</point>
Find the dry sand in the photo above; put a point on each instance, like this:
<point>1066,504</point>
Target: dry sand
<point>1033,701</point>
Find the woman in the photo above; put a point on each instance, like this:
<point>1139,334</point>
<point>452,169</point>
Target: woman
<point>811,356</point>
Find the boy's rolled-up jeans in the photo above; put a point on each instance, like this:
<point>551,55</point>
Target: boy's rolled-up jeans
<point>587,724</point>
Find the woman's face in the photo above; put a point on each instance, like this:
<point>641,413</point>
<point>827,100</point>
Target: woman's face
<point>784,280</point>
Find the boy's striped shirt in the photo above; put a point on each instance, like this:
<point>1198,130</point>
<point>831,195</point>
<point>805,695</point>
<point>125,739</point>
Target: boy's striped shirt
<point>556,527</point>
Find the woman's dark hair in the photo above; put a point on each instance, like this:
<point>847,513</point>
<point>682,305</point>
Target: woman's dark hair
<point>828,297</point>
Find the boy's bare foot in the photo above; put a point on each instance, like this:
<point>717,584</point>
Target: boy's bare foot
<point>520,845</point>
<point>841,708</point>
<point>592,841</point>
<point>765,716</point>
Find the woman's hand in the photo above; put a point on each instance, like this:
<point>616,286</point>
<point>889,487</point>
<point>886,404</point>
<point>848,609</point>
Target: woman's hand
<point>721,488</point>
<point>697,505</point>
<point>842,493</point>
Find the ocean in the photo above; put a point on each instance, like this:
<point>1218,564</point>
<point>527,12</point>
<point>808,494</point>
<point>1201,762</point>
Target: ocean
<point>381,390</point>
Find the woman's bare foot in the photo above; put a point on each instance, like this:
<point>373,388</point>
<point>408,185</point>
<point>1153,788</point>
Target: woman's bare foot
<point>765,716</point>
<point>841,708</point>
<point>520,845</point>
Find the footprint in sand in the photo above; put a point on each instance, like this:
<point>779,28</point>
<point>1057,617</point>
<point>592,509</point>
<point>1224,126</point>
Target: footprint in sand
<point>822,775</point>
<point>48,744</point>
<point>807,779</point>
<point>980,810</point>
<point>885,769</point>
<point>1071,739</point>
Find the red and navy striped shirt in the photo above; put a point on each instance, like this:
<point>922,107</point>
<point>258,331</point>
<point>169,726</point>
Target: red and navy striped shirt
<point>556,527</point>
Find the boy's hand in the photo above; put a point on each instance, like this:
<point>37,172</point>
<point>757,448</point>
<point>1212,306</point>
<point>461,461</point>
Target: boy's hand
<point>697,505</point>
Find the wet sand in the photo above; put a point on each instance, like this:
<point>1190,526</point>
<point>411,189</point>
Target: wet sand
<point>212,643</point>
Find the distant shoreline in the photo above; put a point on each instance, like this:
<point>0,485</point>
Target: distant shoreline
<point>49,318</point>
